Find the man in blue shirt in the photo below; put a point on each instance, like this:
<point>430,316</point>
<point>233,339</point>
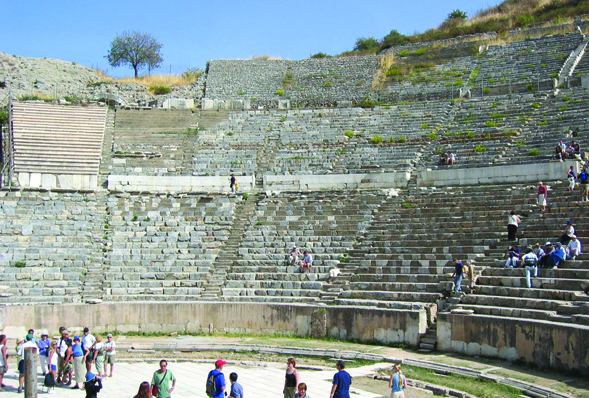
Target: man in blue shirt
<point>458,275</point>
<point>236,388</point>
<point>218,379</point>
<point>341,382</point>
<point>44,344</point>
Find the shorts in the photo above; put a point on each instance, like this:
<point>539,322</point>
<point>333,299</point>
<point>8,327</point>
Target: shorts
<point>53,368</point>
<point>90,357</point>
<point>584,186</point>
<point>109,359</point>
<point>21,366</point>
<point>2,370</point>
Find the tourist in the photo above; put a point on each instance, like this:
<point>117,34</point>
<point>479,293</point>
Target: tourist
<point>63,344</point>
<point>144,390</point>
<point>293,256</point>
<point>307,262</point>
<point>543,259</point>
<point>21,364</point>
<point>53,355</point>
<point>3,360</point>
<point>302,391</point>
<point>542,196</point>
<point>559,153</point>
<point>513,255</point>
<point>233,183</point>
<point>513,221</point>
<point>236,388</point>
<point>92,385</point>
<point>576,151</point>
<point>574,247</point>
<point>444,158</point>
<point>216,380</point>
<point>451,158</point>
<point>160,382</point>
<point>568,233</point>
<point>68,366</point>
<point>44,347</point>
<point>98,356</point>
<point>471,273</point>
<point>78,354</point>
<point>538,251</point>
<point>397,382</point>
<point>32,333</point>
<point>458,275</point>
<point>557,255</point>
<point>571,177</point>
<point>530,261</point>
<point>291,379</point>
<point>341,382</point>
<point>584,182</point>
<point>109,349</point>
<point>87,345</point>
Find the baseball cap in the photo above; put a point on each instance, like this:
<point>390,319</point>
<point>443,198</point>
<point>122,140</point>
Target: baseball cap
<point>537,244</point>
<point>76,337</point>
<point>109,335</point>
<point>568,222</point>
<point>558,244</point>
<point>29,336</point>
<point>548,244</point>
<point>220,362</point>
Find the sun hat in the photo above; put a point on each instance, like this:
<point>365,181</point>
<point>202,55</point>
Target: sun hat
<point>90,376</point>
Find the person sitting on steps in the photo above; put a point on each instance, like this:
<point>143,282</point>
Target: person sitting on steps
<point>307,262</point>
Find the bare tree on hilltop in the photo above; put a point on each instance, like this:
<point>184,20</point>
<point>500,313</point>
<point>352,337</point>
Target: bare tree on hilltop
<point>139,50</point>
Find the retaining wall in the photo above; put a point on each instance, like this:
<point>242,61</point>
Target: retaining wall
<point>363,324</point>
<point>543,344</point>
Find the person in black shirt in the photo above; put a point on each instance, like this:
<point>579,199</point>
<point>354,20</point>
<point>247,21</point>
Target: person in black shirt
<point>92,385</point>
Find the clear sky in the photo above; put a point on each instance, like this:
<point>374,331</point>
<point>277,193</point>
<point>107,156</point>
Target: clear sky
<point>194,32</point>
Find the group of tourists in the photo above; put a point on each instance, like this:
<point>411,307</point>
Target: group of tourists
<point>63,361</point>
<point>564,151</point>
<point>292,258</point>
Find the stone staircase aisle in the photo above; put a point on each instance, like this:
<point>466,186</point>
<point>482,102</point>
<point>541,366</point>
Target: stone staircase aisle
<point>107,151</point>
<point>93,278</point>
<point>266,159</point>
<point>212,289</point>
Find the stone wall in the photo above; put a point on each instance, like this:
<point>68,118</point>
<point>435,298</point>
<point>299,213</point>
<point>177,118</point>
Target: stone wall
<point>365,324</point>
<point>306,83</point>
<point>539,343</point>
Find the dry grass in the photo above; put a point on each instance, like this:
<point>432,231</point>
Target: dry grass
<point>151,80</point>
<point>385,63</point>
<point>264,57</point>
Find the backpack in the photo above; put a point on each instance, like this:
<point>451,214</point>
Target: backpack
<point>583,177</point>
<point>211,384</point>
<point>49,380</point>
<point>530,261</point>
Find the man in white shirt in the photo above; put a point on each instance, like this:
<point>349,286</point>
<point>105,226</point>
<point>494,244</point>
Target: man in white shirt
<point>109,350</point>
<point>530,261</point>
<point>574,247</point>
<point>62,346</point>
<point>88,341</point>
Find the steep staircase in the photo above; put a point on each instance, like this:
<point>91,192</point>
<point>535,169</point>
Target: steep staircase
<point>107,151</point>
<point>93,278</point>
<point>230,252</point>
<point>429,339</point>
<point>266,159</point>
<point>209,119</point>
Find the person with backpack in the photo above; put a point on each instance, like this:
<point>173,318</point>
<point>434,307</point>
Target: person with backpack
<point>530,261</point>
<point>584,181</point>
<point>50,378</point>
<point>160,382</point>
<point>216,381</point>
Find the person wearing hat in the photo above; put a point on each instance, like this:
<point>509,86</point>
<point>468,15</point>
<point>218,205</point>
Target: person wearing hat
<point>568,233</point>
<point>79,354</point>
<point>293,257</point>
<point>530,261</point>
<point>109,353</point>
<point>574,247</point>
<point>161,381</point>
<point>538,251</point>
<point>92,385</point>
<point>21,364</point>
<point>216,380</point>
<point>548,250</point>
<point>62,346</point>
<point>44,345</point>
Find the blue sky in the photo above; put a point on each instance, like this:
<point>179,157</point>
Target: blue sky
<point>194,32</point>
